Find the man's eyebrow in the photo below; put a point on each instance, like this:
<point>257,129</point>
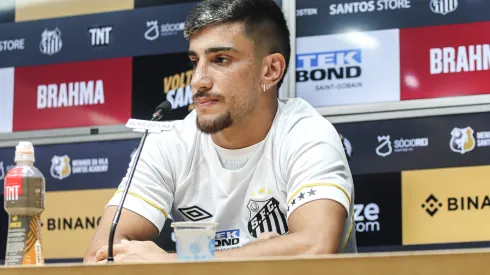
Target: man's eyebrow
<point>214,50</point>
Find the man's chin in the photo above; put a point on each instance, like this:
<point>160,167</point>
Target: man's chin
<point>213,124</point>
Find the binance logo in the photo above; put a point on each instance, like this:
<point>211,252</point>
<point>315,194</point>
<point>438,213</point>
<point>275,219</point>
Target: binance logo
<point>431,205</point>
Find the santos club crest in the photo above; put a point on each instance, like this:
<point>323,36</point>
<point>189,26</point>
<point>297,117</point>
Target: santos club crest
<point>265,216</point>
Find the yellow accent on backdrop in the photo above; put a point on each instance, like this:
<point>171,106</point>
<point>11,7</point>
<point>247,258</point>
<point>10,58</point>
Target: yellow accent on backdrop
<point>44,9</point>
<point>445,226</point>
<point>67,221</point>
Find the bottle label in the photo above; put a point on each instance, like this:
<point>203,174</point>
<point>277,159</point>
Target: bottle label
<point>24,241</point>
<point>23,192</point>
<point>13,185</point>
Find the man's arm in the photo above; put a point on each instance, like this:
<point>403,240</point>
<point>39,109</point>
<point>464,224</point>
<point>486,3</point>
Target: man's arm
<point>131,226</point>
<point>314,228</point>
<point>147,203</point>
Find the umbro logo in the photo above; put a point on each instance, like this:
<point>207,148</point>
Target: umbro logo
<point>195,213</point>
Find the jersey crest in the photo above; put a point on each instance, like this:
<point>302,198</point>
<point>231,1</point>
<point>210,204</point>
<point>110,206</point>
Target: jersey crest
<point>265,216</point>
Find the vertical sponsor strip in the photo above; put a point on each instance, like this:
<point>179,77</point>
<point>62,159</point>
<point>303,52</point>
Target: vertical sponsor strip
<point>6,99</point>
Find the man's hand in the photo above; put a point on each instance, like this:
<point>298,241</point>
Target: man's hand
<point>134,251</point>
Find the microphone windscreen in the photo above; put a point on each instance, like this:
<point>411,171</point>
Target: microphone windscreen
<point>166,107</point>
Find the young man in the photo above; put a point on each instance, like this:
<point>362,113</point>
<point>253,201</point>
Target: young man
<point>242,158</point>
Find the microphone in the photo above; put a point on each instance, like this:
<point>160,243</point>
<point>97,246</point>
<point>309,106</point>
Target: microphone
<point>162,110</point>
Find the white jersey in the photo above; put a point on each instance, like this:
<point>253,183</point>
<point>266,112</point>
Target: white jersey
<point>180,176</point>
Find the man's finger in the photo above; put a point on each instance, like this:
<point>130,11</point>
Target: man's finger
<point>103,252</point>
<point>102,261</point>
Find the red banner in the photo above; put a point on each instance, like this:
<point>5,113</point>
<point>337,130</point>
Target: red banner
<point>73,94</point>
<point>445,61</point>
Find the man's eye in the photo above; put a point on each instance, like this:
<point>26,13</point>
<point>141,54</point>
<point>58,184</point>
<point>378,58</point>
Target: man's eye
<point>220,60</point>
<point>193,63</point>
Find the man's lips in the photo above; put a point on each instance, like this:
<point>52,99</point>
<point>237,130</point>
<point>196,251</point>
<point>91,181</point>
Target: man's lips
<point>205,100</point>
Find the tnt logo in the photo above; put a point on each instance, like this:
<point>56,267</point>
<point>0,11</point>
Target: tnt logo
<point>100,36</point>
<point>319,66</point>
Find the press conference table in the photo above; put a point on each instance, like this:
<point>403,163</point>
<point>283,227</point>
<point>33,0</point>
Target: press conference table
<point>467,262</point>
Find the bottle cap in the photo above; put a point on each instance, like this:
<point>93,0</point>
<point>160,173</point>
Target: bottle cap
<point>24,151</point>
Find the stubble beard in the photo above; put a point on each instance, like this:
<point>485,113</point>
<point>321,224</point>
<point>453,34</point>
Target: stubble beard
<point>215,125</point>
<point>226,119</point>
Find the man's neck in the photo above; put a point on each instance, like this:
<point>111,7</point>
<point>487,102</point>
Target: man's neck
<point>251,131</point>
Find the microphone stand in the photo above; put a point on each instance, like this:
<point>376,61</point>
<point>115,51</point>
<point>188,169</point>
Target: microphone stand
<point>110,256</point>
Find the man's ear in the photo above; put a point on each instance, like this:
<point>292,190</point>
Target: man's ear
<point>273,68</point>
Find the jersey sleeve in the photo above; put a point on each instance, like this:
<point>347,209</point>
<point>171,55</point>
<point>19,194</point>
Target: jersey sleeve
<point>316,165</point>
<point>152,187</point>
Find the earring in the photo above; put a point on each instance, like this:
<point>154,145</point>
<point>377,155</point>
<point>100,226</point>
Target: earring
<point>265,88</point>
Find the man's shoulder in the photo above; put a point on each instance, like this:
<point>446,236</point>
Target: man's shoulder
<point>300,119</point>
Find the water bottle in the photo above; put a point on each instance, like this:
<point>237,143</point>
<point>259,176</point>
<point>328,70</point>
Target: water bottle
<point>24,189</point>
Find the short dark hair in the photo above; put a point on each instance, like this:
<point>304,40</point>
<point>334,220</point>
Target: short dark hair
<point>263,19</point>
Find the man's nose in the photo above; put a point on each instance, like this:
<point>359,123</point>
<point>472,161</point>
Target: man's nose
<point>200,78</point>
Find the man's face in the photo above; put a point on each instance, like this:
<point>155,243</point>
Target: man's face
<point>225,77</point>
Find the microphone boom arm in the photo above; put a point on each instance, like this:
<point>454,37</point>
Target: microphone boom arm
<point>110,254</point>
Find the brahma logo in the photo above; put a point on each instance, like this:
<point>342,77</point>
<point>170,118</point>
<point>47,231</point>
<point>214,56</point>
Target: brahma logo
<point>468,58</point>
<point>60,167</point>
<point>70,94</point>
<point>462,140</point>
<point>178,91</point>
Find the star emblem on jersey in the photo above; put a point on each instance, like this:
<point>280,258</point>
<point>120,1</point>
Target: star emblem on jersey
<point>265,216</point>
<point>195,213</point>
<point>302,196</point>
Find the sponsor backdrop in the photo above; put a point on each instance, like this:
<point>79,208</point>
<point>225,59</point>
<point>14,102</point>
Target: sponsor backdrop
<point>7,99</point>
<point>68,71</point>
<point>90,93</point>
<point>445,61</point>
<point>162,77</point>
<point>316,17</point>
<point>399,200</point>
<point>348,68</point>
<point>27,10</point>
